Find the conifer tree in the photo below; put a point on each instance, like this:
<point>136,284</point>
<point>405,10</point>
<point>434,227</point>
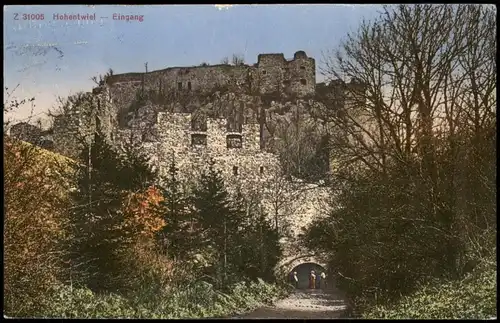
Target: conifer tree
<point>95,202</point>
<point>102,185</point>
<point>260,248</point>
<point>219,220</point>
<point>175,236</point>
<point>137,171</point>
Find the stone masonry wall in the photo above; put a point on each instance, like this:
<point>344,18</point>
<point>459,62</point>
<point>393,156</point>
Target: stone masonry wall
<point>175,140</point>
<point>271,74</point>
<point>249,168</point>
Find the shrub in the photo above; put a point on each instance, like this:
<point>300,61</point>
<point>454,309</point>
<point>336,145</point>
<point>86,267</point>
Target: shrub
<point>474,297</point>
<point>69,302</point>
<point>139,257</point>
<point>197,300</point>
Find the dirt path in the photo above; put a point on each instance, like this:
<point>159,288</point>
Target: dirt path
<point>303,304</point>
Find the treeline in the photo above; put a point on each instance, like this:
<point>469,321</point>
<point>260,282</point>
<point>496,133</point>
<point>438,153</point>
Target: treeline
<point>111,225</point>
<point>415,158</point>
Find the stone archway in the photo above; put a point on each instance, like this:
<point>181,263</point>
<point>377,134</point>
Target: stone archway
<point>304,270</point>
<point>285,267</point>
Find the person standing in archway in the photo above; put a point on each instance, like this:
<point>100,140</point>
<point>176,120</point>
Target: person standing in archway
<point>312,280</point>
<point>323,280</point>
<point>295,280</point>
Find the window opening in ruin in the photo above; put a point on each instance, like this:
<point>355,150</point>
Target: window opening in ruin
<point>302,67</point>
<point>234,141</point>
<point>264,72</point>
<point>262,169</point>
<point>199,123</point>
<point>198,140</point>
<point>235,170</point>
<point>179,86</point>
<point>303,81</point>
<point>189,85</point>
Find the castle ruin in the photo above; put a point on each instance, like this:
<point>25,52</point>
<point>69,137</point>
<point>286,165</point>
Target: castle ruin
<point>211,113</point>
<point>271,74</point>
<point>236,154</point>
<point>242,164</point>
<point>218,113</point>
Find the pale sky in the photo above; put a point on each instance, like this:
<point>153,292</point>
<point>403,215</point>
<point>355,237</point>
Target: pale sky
<point>50,58</point>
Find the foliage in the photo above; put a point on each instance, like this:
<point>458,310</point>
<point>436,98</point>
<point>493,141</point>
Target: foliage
<point>302,145</point>
<point>102,78</point>
<point>107,216</point>
<point>238,60</point>
<point>122,242</point>
<point>175,238</point>
<point>219,221</point>
<point>35,200</point>
<point>11,104</point>
<point>135,164</point>
<point>473,297</point>
<point>414,148</point>
<point>141,264</point>
<point>95,224</point>
<point>74,302</point>
<point>139,213</point>
<point>72,122</point>
<point>198,300</point>
<point>260,249</point>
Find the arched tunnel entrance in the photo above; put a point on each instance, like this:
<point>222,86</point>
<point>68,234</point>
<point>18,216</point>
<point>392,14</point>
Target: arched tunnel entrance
<point>304,272</point>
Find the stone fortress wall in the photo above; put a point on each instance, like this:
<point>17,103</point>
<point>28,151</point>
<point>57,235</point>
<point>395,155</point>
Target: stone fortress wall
<point>234,150</point>
<point>236,154</point>
<point>242,162</point>
<point>270,75</point>
<point>245,88</point>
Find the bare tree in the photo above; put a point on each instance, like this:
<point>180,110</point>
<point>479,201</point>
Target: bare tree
<point>416,119</point>
<point>282,193</point>
<point>238,59</point>
<point>12,104</point>
<point>409,76</point>
<point>296,138</point>
<point>101,79</point>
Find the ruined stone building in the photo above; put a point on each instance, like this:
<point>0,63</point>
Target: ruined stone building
<point>229,114</point>
<point>266,93</point>
<point>242,163</point>
<point>271,74</point>
<point>236,154</point>
<point>26,132</point>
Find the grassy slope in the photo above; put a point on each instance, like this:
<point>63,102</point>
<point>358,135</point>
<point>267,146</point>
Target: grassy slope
<point>46,155</point>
